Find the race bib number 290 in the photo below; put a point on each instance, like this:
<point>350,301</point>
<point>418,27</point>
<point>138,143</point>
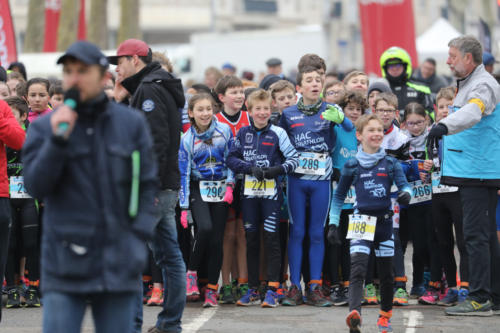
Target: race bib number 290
<point>212,191</point>
<point>312,163</point>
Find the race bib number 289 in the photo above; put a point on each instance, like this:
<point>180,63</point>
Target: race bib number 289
<point>312,163</point>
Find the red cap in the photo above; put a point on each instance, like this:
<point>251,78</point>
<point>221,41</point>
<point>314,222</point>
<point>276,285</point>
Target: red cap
<point>130,47</point>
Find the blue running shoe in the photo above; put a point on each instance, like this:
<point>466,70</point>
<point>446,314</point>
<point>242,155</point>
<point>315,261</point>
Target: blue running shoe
<point>450,299</point>
<point>271,299</point>
<point>252,297</point>
<point>417,291</point>
<point>462,294</point>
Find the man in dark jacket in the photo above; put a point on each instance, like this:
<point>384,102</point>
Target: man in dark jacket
<point>427,75</point>
<point>91,161</point>
<point>148,87</point>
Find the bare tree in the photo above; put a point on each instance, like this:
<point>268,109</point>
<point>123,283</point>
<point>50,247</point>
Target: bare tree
<point>98,30</point>
<point>33,41</point>
<point>129,20</point>
<point>68,24</point>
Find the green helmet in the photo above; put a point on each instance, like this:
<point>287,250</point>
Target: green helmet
<point>395,53</point>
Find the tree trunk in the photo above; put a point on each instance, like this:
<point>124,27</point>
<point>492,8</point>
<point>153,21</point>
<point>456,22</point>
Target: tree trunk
<point>33,41</point>
<point>68,24</point>
<point>129,21</point>
<point>98,29</point>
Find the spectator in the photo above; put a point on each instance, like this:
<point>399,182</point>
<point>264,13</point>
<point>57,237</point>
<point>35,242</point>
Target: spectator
<point>427,75</point>
<point>489,61</point>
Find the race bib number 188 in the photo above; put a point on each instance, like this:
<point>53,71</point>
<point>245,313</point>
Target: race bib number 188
<point>361,227</point>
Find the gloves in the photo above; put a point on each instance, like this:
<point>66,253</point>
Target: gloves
<point>333,235</point>
<point>184,220</point>
<point>257,173</point>
<point>336,175</point>
<point>334,114</point>
<point>436,133</point>
<point>273,172</point>
<point>404,198</point>
<point>228,197</point>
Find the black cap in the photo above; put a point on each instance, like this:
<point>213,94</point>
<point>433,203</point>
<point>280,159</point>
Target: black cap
<point>268,80</point>
<point>3,74</point>
<point>86,52</point>
<point>273,62</point>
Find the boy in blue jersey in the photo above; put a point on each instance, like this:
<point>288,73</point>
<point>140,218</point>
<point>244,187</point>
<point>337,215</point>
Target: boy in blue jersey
<point>262,152</point>
<point>310,127</point>
<point>372,173</point>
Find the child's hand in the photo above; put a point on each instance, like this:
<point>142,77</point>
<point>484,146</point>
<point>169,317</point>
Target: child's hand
<point>423,177</point>
<point>428,165</point>
<point>334,114</point>
<point>184,221</point>
<point>228,197</point>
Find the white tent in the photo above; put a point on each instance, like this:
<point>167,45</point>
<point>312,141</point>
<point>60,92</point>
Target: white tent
<point>433,43</point>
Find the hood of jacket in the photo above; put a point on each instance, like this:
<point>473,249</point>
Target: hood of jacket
<point>153,72</point>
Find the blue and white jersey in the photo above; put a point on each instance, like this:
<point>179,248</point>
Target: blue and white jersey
<point>311,134</point>
<point>203,156</point>
<point>263,148</point>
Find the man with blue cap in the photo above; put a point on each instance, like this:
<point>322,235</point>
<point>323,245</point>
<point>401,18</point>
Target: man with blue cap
<point>489,61</point>
<point>91,162</point>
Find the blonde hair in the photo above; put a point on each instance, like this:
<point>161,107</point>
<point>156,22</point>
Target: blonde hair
<point>446,93</point>
<point>353,74</point>
<point>163,60</point>
<point>279,86</point>
<point>387,97</point>
<point>364,120</point>
<point>257,96</point>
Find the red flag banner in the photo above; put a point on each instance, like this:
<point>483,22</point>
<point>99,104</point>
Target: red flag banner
<point>82,26</point>
<point>386,23</point>
<point>8,51</point>
<point>52,12</point>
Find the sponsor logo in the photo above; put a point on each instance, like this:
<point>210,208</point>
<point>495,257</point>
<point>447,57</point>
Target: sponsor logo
<point>365,175</point>
<point>297,125</point>
<point>248,137</point>
<point>148,105</point>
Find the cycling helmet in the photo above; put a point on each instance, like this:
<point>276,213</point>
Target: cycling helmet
<point>394,55</point>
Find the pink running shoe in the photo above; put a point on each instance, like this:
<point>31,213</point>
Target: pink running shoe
<point>192,284</point>
<point>431,296</point>
<point>210,298</point>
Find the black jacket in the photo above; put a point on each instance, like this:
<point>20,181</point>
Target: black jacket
<point>160,95</point>
<point>90,243</point>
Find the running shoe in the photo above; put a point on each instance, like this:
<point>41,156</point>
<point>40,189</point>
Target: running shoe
<point>370,294</point>
<point>450,299</point>
<point>227,295</point>
<point>384,324</point>
<point>496,309</point>
<point>192,284</point>
<point>417,291</point>
<point>156,297</point>
<point>271,299</point>
<point>242,290</point>
<point>252,297</point>
<point>147,294</point>
<point>210,298</point>
<point>470,308</point>
<point>315,297</point>
<point>293,296</point>
<point>281,293</point>
<point>32,298</point>
<point>462,294</point>
<point>353,321</point>
<point>400,297</point>
<point>13,298</point>
<point>339,296</point>
<point>431,297</point>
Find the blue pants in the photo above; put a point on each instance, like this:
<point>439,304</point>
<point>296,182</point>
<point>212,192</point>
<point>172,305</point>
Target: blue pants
<point>168,257</point>
<point>112,312</point>
<point>316,194</point>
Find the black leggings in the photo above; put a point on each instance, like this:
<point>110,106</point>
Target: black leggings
<point>210,219</point>
<point>339,255</point>
<point>24,240</point>
<point>446,214</point>
<point>5,222</point>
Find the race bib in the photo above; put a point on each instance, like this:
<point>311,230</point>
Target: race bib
<point>438,188</point>
<point>17,189</point>
<point>312,163</point>
<point>212,191</point>
<point>351,194</point>
<point>361,227</point>
<point>421,192</point>
<point>254,187</point>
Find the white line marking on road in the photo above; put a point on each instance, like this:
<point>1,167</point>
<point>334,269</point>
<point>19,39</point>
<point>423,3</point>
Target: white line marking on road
<point>413,320</point>
<point>199,321</point>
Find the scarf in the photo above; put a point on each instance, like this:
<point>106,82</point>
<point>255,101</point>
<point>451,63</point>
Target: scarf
<point>369,160</point>
<point>309,110</point>
<point>207,135</point>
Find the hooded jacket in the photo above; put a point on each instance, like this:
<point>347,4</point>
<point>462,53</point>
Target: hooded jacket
<point>160,96</point>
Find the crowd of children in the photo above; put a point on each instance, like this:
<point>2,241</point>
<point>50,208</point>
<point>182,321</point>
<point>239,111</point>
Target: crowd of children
<point>323,179</point>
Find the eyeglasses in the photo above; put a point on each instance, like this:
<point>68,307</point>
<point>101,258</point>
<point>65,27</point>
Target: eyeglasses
<point>417,123</point>
<point>333,93</point>
<point>384,111</point>
<point>395,65</point>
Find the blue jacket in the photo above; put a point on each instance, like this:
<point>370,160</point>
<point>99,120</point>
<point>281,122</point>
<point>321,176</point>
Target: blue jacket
<point>311,134</point>
<point>90,242</point>
<point>263,148</point>
<point>201,161</point>
<point>346,146</point>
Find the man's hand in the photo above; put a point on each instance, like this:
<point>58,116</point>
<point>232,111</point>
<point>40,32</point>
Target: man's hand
<point>334,114</point>
<point>333,235</point>
<point>436,133</point>
<point>119,92</point>
<point>61,117</point>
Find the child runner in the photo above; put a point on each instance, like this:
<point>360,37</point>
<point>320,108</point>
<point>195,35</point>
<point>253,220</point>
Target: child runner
<point>311,131</point>
<point>372,173</point>
<point>283,95</point>
<point>357,80</point>
<point>38,98</point>
<point>262,152</point>
<point>346,146</point>
<point>446,214</point>
<point>56,94</point>
<point>206,189</point>
<point>334,92</point>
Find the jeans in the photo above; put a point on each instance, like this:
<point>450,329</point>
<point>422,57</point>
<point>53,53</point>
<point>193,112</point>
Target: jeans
<point>5,224</point>
<point>112,312</point>
<point>479,205</point>
<point>168,257</point>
